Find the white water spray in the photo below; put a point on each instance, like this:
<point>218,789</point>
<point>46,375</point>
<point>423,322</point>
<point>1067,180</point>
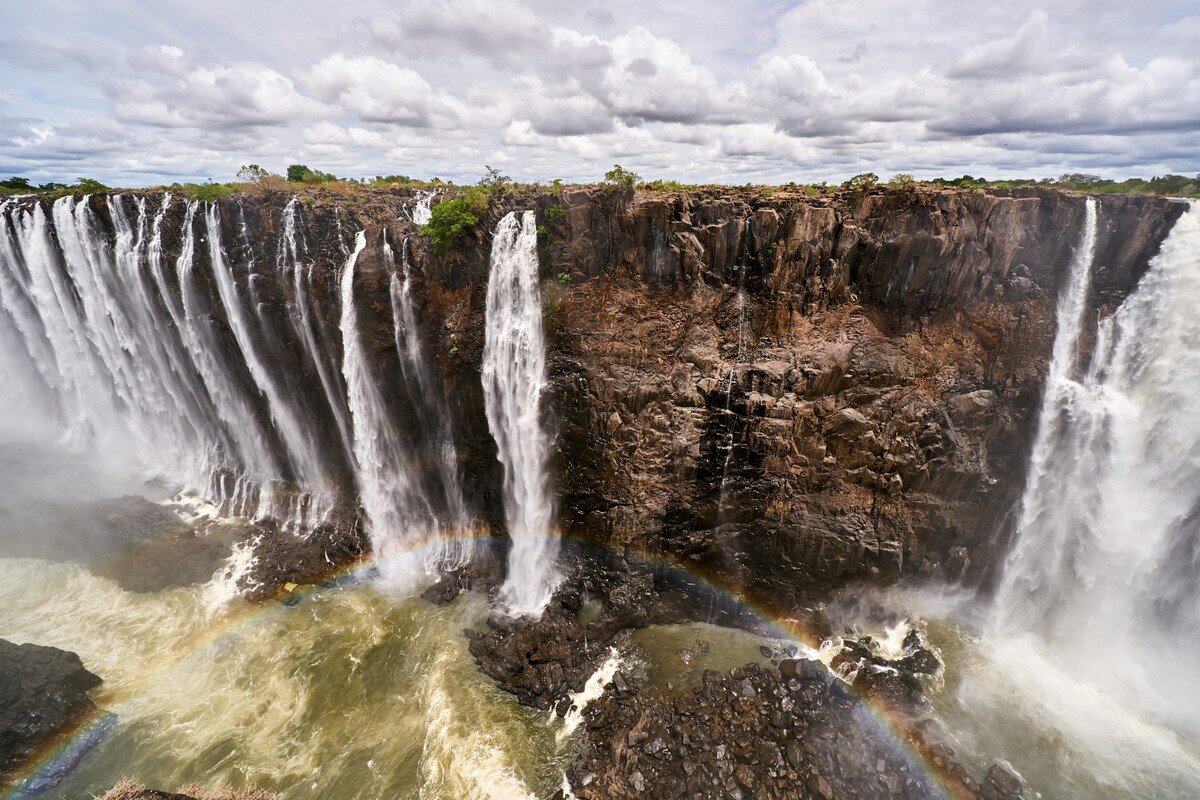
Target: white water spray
<point>514,376</point>
<point>1106,563</point>
<point>398,512</point>
<point>433,416</point>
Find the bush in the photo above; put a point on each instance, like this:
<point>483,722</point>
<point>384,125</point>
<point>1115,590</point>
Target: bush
<point>863,181</point>
<point>451,220</point>
<point>209,192</point>
<point>256,176</point>
<point>619,176</point>
<point>902,180</point>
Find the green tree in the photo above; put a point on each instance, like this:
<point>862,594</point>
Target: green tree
<point>18,184</point>
<point>90,185</point>
<point>493,179</point>
<point>902,180</point>
<point>863,181</point>
<point>299,173</point>
<point>451,220</point>
<point>619,176</point>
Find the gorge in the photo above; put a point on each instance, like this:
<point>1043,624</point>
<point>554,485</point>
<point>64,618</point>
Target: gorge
<point>741,482</point>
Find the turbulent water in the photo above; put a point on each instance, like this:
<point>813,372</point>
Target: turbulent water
<point>514,377</point>
<point>1105,564</point>
<point>348,694</point>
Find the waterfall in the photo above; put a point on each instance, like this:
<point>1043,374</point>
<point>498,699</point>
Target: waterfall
<point>1105,567</point>
<point>312,506</point>
<point>132,354</point>
<point>401,520</point>
<point>290,262</point>
<point>422,210</point>
<point>514,376</point>
<point>731,417</point>
<point>433,416</point>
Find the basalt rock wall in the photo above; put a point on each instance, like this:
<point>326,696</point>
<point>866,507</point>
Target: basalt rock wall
<point>778,391</point>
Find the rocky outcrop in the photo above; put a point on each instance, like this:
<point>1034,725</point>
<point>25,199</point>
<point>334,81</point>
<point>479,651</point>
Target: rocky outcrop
<point>43,691</point>
<point>755,732</point>
<point>127,789</point>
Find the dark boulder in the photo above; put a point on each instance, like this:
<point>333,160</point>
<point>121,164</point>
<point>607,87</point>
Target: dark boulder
<point>43,691</point>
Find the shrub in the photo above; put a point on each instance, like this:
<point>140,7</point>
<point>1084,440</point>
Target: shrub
<point>564,278</point>
<point>902,180</point>
<point>451,220</point>
<point>554,214</point>
<point>256,176</point>
<point>209,192</point>
<point>89,185</point>
<point>619,176</point>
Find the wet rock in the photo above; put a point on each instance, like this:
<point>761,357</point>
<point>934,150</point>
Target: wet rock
<point>281,557</point>
<point>43,690</point>
<point>179,558</point>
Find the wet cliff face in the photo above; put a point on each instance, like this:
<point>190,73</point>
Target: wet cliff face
<point>781,392</point>
<point>787,393</point>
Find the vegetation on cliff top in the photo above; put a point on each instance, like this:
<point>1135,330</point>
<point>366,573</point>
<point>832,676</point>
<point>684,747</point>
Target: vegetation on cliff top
<point>454,220</point>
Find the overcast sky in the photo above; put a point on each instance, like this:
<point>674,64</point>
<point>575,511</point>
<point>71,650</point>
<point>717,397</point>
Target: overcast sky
<point>140,93</point>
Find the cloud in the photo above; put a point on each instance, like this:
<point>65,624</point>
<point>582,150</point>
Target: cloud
<point>214,96</point>
<point>813,90</point>
<point>377,91</point>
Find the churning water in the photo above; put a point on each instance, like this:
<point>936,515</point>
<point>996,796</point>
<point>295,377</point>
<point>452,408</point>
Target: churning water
<point>1105,570</point>
<point>348,694</point>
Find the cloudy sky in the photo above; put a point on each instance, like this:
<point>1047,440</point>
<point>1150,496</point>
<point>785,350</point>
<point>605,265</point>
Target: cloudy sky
<point>136,92</point>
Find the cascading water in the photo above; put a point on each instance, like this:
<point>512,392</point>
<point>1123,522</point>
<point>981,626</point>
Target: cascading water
<point>402,521</point>
<point>313,505</point>
<point>422,210</point>
<point>429,402</point>
<point>130,349</point>
<point>730,415</point>
<point>514,376</point>
<point>307,330</point>
<point>1105,568</point>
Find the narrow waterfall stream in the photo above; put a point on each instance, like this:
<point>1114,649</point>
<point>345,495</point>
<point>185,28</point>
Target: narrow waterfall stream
<point>400,516</point>
<point>514,377</point>
<point>432,414</point>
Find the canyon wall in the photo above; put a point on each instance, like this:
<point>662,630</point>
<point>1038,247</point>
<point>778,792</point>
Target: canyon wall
<point>779,392</point>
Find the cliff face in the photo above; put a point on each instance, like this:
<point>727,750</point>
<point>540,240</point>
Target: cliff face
<point>780,392</point>
<point>785,393</point>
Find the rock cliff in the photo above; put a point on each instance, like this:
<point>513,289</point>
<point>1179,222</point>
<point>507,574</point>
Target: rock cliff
<point>776,391</point>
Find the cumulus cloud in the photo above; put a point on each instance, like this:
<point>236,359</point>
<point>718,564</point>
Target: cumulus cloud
<point>214,96</point>
<point>764,90</point>
<point>377,91</point>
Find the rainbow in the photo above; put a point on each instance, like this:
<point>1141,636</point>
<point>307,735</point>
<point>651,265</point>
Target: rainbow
<point>56,758</point>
